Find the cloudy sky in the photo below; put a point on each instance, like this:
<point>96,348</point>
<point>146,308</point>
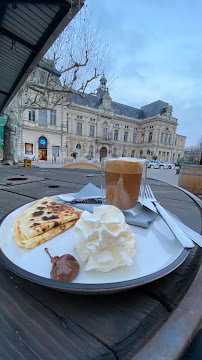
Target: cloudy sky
<point>156,53</point>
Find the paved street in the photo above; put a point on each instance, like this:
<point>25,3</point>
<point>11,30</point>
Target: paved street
<point>167,175</point>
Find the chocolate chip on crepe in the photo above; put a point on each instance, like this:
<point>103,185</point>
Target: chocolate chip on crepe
<point>42,221</point>
<point>65,267</point>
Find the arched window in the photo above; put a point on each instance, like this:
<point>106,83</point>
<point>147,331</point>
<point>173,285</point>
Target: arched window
<point>90,152</point>
<point>132,153</point>
<point>148,152</point>
<point>78,150</point>
<point>141,152</point>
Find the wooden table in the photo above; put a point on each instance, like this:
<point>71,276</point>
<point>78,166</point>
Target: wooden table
<point>40,323</point>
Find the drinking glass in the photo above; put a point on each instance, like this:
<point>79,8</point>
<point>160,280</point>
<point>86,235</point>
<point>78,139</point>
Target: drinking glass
<point>123,183</point>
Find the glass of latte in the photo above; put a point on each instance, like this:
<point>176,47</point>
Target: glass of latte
<point>123,182</point>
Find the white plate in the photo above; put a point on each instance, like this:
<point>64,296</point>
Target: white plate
<point>157,254</point>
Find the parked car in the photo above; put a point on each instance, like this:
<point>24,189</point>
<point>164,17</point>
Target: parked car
<point>153,164</point>
<point>165,165</point>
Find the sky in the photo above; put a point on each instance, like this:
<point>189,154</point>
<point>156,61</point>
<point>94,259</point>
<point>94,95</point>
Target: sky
<point>156,54</point>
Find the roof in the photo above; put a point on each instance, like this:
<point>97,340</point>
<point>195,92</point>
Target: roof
<point>103,78</point>
<point>157,107</point>
<point>94,101</point>
<point>125,110</point>
<point>27,30</point>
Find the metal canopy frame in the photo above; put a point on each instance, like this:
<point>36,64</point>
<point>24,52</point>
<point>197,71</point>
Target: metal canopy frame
<point>27,30</point>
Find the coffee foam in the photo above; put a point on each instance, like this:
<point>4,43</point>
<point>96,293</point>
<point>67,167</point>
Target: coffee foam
<point>124,166</point>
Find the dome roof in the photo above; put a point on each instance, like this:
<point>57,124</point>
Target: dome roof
<point>103,78</point>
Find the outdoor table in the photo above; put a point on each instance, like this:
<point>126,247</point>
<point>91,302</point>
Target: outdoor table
<point>142,323</point>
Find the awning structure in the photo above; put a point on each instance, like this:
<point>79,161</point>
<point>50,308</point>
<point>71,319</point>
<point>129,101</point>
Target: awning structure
<point>27,30</point>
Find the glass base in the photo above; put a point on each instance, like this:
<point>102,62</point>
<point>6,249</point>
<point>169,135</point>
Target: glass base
<point>133,212</point>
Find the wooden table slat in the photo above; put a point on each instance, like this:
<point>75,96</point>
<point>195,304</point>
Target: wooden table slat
<point>51,324</point>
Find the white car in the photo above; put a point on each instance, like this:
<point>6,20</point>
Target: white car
<point>165,165</point>
<point>153,164</point>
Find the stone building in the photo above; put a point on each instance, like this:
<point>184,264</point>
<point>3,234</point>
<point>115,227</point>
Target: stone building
<point>94,126</point>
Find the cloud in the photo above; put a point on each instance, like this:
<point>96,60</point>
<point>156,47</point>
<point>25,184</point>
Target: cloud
<point>157,54</point>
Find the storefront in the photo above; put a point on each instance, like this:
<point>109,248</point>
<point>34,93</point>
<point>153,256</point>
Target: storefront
<point>42,148</point>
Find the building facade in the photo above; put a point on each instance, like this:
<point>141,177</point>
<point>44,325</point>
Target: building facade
<point>93,126</point>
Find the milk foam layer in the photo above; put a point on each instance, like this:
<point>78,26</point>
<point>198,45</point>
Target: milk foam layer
<point>103,239</point>
<point>126,166</point>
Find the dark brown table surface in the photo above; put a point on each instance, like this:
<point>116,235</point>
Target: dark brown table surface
<point>40,323</point>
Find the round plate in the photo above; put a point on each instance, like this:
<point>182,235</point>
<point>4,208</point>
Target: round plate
<point>157,254</point>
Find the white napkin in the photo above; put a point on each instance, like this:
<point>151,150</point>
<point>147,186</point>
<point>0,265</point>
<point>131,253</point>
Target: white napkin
<point>144,218</point>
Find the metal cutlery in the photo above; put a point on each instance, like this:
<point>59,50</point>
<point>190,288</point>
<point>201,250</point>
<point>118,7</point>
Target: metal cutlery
<point>174,227</point>
<point>85,200</point>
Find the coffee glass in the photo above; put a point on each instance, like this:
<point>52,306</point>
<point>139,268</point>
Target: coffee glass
<point>123,183</point>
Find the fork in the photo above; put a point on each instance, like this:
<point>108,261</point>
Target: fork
<point>179,233</point>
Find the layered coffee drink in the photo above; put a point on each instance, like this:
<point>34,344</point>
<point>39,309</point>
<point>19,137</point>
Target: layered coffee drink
<point>122,182</point>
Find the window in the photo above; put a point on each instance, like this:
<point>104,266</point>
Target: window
<point>53,117</point>
<point>134,137</point>
<point>150,136</point>
<point>79,128</point>
<point>78,149</point>
<point>116,134</point>
<point>114,152</point>
<point>92,130</point>
<point>178,156</point>
<point>180,142</point>
<point>132,153</point>
<point>161,137</point>
<point>142,137</point>
<point>91,119</point>
<point>42,78</point>
<point>175,141</point>
<point>90,152</point>
<point>43,116</point>
<point>167,156</point>
<point>125,136</point>
<point>141,152</point>
<point>31,115</point>
<point>124,152</point>
<point>169,140</point>
<point>67,126</point>
<point>165,138</point>
<point>148,152</point>
<point>126,127</point>
<point>67,114</point>
<point>104,133</point>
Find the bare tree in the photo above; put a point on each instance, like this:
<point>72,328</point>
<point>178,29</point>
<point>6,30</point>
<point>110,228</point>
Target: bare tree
<point>81,55</point>
<point>193,153</point>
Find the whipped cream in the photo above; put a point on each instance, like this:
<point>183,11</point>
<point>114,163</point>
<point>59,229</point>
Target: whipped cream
<point>103,239</point>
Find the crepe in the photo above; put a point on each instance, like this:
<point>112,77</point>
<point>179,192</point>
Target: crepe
<point>42,221</point>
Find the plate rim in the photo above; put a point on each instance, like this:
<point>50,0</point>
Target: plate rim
<point>93,288</point>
